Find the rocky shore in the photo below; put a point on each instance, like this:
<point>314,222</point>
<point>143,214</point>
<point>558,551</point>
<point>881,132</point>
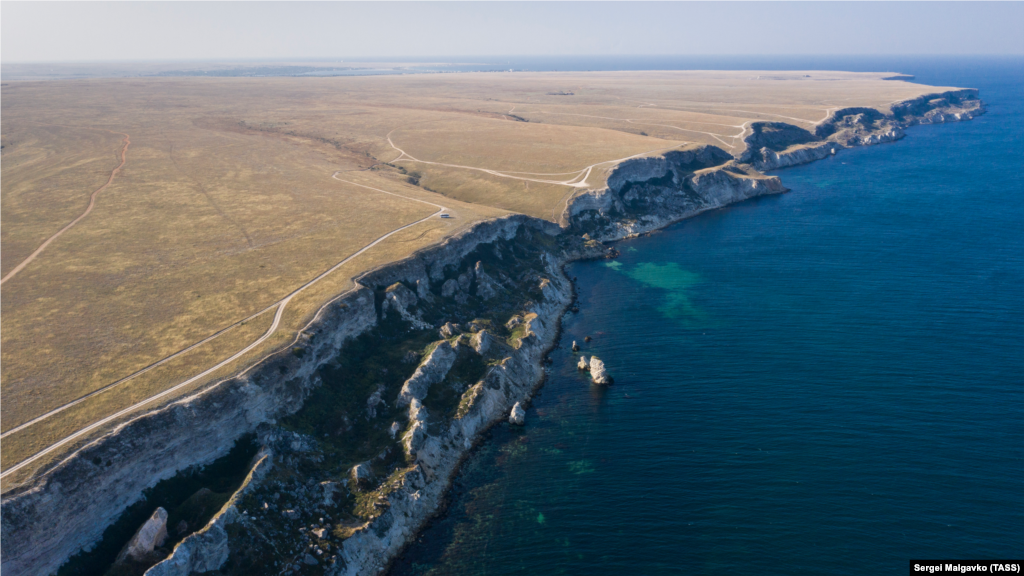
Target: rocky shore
<point>363,425</point>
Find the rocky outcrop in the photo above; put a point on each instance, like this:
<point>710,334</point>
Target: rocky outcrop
<point>437,455</point>
<point>776,136</point>
<point>399,298</point>
<point>486,287</point>
<point>855,126</point>
<point>431,371</point>
<point>149,536</point>
<point>583,364</point>
<point>483,342</point>
<point>951,106</point>
<point>89,489</point>
<point>649,193</point>
<point>518,415</point>
<point>598,371</point>
<point>767,159</point>
<point>207,549</point>
<point>361,473</point>
<point>87,494</point>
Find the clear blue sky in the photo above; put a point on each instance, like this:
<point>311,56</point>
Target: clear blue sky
<point>99,31</point>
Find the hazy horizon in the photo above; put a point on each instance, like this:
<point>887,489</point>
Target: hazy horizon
<point>112,32</point>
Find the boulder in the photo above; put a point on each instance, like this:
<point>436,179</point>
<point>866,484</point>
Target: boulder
<point>149,536</point>
<point>449,330</point>
<point>361,474</point>
<point>320,533</point>
<point>329,489</point>
<point>485,285</point>
<point>449,288</point>
<point>395,427</point>
<point>290,514</point>
<point>518,415</point>
<point>482,342</point>
<point>583,363</point>
<point>400,299</point>
<point>400,296</point>
<point>465,281</point>
<point>417,413</point>
<point>307,559</point>
<point>598,372</point>
<point>372,402</point>
<point>415,438</point>
<point>575,346</point>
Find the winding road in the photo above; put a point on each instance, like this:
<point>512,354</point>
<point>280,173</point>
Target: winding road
<point>279,305</point>
<point>579,180</point>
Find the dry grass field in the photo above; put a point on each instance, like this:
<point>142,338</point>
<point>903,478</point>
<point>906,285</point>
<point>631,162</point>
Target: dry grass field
<point>227,202</point>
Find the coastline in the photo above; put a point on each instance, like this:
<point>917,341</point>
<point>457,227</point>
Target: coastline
<point>642,195</point>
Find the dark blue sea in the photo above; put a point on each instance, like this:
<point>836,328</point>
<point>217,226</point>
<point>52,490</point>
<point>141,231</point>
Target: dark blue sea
<point>829,381</point>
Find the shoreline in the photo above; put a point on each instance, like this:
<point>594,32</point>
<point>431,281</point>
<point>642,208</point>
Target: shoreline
<point>643,195</point>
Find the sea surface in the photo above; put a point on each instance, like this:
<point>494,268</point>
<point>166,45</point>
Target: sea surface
<point>829,381</point>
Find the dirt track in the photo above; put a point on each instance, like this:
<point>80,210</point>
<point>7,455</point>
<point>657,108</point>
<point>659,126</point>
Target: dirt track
<point>88,209</point>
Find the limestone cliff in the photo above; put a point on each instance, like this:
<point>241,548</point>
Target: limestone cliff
<point>848,127</point>
<point>412,437</point>
<point>649,193</point>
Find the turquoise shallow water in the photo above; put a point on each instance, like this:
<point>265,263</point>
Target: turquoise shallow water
<point>823,382</point>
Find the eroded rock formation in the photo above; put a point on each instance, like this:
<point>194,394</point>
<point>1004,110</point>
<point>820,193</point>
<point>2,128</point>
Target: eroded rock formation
<point>466,382</point>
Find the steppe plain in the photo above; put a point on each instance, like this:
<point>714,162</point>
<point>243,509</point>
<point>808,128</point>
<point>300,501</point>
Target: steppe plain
<point>235,194</point>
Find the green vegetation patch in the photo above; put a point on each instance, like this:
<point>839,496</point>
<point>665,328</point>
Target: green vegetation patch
<point>444,398</point>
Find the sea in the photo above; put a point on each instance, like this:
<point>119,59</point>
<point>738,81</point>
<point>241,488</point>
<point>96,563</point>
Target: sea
<point>827,381</point>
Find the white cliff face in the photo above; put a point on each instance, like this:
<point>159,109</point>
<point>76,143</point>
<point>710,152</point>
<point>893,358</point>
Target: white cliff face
<point>850,127</point>
<point>194,430</point>
<point>767,159</point>
<point>436,456</point>
<point>649,193</point>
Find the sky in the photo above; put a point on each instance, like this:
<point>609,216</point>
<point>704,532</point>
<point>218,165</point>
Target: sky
<point>186,31</point>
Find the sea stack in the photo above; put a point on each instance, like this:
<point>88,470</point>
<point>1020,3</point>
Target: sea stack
<point>575,346</point>
<point>583,364</point>
<point>598,373</point>
<point>518,415</point>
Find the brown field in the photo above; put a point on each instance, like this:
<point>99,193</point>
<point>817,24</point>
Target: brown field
<point>227,204</point>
